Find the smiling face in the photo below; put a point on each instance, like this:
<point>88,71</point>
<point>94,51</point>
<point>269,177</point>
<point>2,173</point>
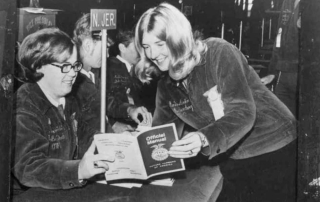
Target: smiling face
<point>156,50</point>
<point>56,83</point>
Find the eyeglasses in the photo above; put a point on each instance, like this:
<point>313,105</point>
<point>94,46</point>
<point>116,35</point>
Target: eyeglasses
<point>66,67</point>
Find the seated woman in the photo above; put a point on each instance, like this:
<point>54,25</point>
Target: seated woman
<point>48,152</point>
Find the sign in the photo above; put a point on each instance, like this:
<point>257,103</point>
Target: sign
<point>103,19</point>
<point>31,22</point>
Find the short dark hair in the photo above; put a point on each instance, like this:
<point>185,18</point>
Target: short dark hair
<point>41,48</point>
<point>82,30</point>
<point>123,36</point>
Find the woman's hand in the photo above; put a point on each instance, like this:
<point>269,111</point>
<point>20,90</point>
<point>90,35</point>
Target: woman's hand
<point>119,127</point>
<point>92,164</point>
<point>189,146</point>
<point>134,113</point>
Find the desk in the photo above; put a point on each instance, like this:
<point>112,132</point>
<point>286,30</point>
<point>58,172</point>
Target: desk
<point>92,192</point>
<point>202,184</point>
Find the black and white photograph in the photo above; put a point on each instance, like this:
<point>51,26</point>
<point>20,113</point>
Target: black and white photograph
<point>160,100</point>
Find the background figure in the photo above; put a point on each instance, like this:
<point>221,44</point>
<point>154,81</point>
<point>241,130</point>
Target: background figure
<point>87,85</point>
<point>284,64</point>
<point>123,87</point>
<point>49,151</point>
<point>254,139</point>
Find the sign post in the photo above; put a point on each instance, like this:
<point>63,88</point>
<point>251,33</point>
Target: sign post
<point>103,19</point>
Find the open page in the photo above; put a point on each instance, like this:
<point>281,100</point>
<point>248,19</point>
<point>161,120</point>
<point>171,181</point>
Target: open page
<point>128,162</point>
<point>154,146</point>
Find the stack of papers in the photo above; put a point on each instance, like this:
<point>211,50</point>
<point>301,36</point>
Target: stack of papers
<point>161,182</point>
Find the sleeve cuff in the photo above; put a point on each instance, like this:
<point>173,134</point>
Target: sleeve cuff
<point>217,141</point>
<point>69,175</point>
<point>206,151</point>
<point>124,110</point>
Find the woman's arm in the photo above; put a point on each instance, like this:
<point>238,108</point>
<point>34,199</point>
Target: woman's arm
<point>163,113</point>
<point>33,165</point>
<point>231,70</point>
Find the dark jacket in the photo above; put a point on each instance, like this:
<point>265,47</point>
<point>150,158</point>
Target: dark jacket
<point>88,95</point>
<point>89,98</point>
<point>286,57</point>
<point>119,82</point>
<point>255,121</point>
<point>47,148</point>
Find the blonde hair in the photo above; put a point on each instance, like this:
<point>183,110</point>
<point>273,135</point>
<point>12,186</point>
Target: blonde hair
<point>171,26</point>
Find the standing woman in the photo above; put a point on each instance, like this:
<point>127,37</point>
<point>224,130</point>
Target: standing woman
<point>257,132</point>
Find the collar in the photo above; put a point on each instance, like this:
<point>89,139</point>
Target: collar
<point>88,73</point>
<point>62,101</point>
<point>125,62</point>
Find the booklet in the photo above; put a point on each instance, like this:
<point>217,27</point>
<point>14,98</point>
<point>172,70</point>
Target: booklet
<point>141,156</point>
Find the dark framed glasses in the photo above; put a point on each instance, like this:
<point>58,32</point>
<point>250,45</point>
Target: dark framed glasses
<point>66,67</point>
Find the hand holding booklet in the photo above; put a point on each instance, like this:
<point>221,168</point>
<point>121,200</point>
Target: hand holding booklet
<point>141,156</point>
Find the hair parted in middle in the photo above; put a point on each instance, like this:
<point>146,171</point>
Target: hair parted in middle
<point>171,26</point>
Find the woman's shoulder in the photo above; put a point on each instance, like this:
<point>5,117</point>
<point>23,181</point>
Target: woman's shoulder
<point>26,91</point>
<point>30,98</point>
<point>165,81</point>
<point>214,42</point>
<point>217,47</point>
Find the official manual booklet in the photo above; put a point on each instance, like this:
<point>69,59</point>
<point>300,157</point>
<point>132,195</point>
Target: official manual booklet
<point>141,156</point>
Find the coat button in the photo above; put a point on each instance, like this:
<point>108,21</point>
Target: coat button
<point>218,151</point>
<point>71,184</point>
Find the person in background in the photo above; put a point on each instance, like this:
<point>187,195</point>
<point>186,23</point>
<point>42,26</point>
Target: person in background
<point>125,108</point>
<point>255,135</point>
<point>284,63</point>
<point>48,150</point>
<point>87,85</point>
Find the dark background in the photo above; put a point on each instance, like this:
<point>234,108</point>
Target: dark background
<point>207,15</point>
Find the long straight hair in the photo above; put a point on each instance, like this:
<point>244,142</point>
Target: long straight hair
<point>171,26</point>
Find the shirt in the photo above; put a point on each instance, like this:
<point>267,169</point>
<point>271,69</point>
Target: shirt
<point>128,65</point>
<point>89,74</point>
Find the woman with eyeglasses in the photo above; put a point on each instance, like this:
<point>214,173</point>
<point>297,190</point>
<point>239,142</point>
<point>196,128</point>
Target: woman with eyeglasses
<point>48,152</point>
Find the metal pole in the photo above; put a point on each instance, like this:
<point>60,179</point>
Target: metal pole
<point>262,32</point>
<point>270,28</point>
<point>240,38</point>
<point>134,10</point>
<point>222,31</point>
<point>103,81</point>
